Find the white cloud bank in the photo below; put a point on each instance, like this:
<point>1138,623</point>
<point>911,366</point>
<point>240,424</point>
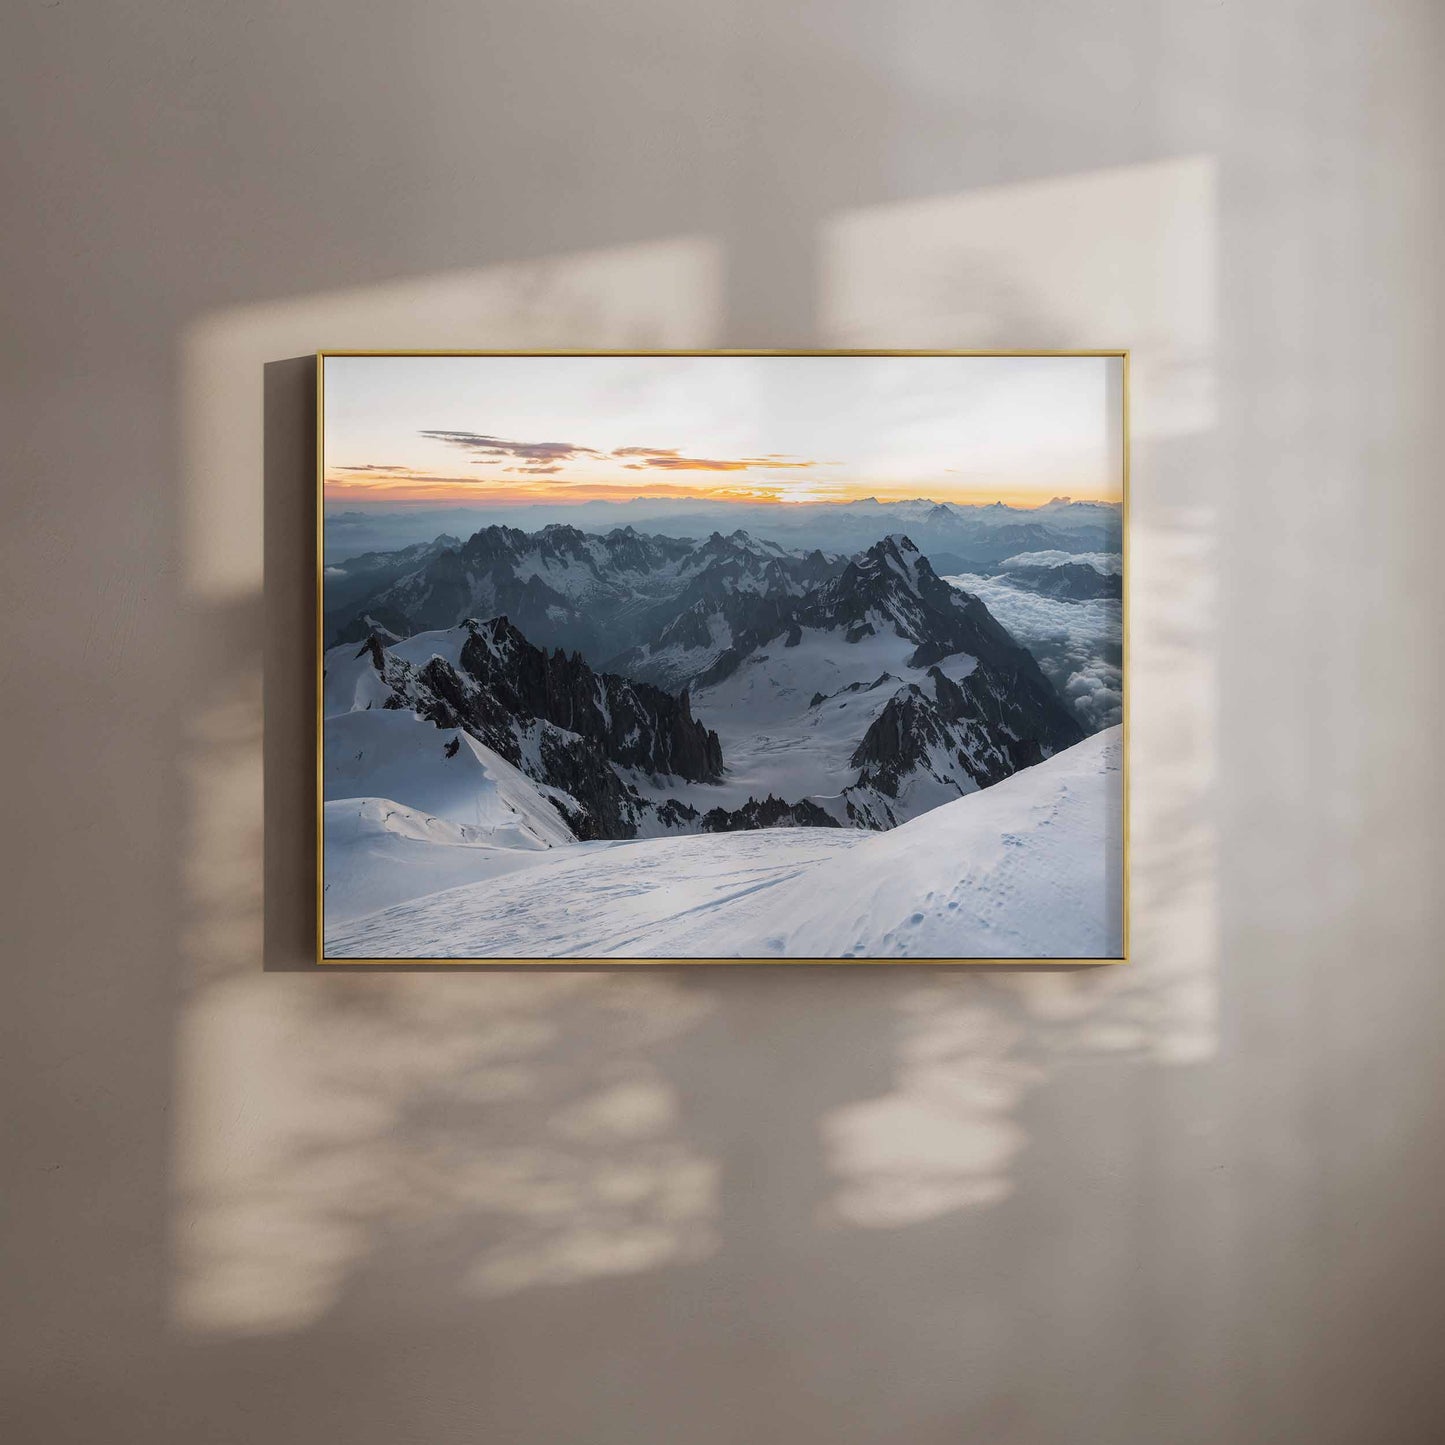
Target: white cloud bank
<point>1106,563</point>
<point>1079,645</point>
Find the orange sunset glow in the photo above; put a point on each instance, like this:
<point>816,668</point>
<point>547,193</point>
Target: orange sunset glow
<point>500,431</point>
<point>460,491</point>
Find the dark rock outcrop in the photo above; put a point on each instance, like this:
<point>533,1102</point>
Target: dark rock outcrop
<point>568,728</point>
<point>634,724</point>
<point>770,813</point>
<point>981,729</point>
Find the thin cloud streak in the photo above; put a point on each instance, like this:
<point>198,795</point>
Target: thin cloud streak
<point>538,459</point>
<point>668,459</point>
<point>547,458</point>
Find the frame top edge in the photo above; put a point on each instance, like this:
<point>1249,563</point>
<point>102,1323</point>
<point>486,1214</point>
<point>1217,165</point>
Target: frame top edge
<point>1101,353</point>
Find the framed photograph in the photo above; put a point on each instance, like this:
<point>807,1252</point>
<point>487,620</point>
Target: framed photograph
<point>696,657</point>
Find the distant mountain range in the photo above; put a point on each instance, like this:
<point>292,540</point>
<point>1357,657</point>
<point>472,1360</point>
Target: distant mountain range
<point>1068,581</point>
<point>563,587</point>
<point>743,684</point>
<point>954,537</point>
<point>606,592</point>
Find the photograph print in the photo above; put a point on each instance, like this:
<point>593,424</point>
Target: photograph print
<point>731,656</point>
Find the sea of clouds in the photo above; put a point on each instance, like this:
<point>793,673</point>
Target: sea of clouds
<point>1079,645</point>
<point>1106,563</point>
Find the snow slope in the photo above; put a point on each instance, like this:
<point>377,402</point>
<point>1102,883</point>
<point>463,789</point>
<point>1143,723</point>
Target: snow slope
<point>1029,868</point>
<point>442,772</point>
<point>379,853</point>
<point>352,682</point>
<point>775,739</point>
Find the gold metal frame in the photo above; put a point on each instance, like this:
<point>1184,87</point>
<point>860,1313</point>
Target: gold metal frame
<point>1121,353</point>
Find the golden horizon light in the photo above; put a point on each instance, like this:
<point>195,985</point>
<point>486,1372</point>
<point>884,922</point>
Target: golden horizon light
<point>754,431</point>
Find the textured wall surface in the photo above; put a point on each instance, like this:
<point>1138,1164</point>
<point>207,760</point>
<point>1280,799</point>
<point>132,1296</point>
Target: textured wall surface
<point>1193,1200</point>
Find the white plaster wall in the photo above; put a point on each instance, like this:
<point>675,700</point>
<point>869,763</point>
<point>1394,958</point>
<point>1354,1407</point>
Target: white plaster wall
<point>1191,1201</point>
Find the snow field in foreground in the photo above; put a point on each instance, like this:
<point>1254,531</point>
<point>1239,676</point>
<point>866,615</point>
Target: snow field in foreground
<point>1031,868</point>
<point>380,853</point>
<point>442,772</point>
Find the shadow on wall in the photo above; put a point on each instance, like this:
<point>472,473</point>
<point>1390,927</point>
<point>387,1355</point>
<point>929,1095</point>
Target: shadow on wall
<point>754,1148</point>
<point>470,1135</point>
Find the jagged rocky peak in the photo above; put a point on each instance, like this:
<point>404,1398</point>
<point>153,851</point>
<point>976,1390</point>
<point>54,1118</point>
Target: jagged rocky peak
<point>557,539</point>
<point>924,725</point>
<point>890,585</point>
<point>737,543</point>
<point>626,550</point>
<point>548,714</point>
<point>636,725</point>
<point>973,731</point>
<point>493,544</point>
<point>378,636</point>
<point>892,561</point>
<point>629,549</point>
<point>772,812</point>
<point>498,634</point>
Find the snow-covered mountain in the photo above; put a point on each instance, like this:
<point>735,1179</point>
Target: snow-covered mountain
<point>567,588</point>
<point>951,535</point>
<point>606,591</point>
<point>889,587</point>
<point>375,566</point>
<point>475,725</point>
<point>349,583</point>
<point>812,702</point>
<point>877,695</point>
<point>1023,870</point>
<point>851,693</point>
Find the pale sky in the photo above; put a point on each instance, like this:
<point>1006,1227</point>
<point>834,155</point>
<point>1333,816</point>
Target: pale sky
<point>492,430</point>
